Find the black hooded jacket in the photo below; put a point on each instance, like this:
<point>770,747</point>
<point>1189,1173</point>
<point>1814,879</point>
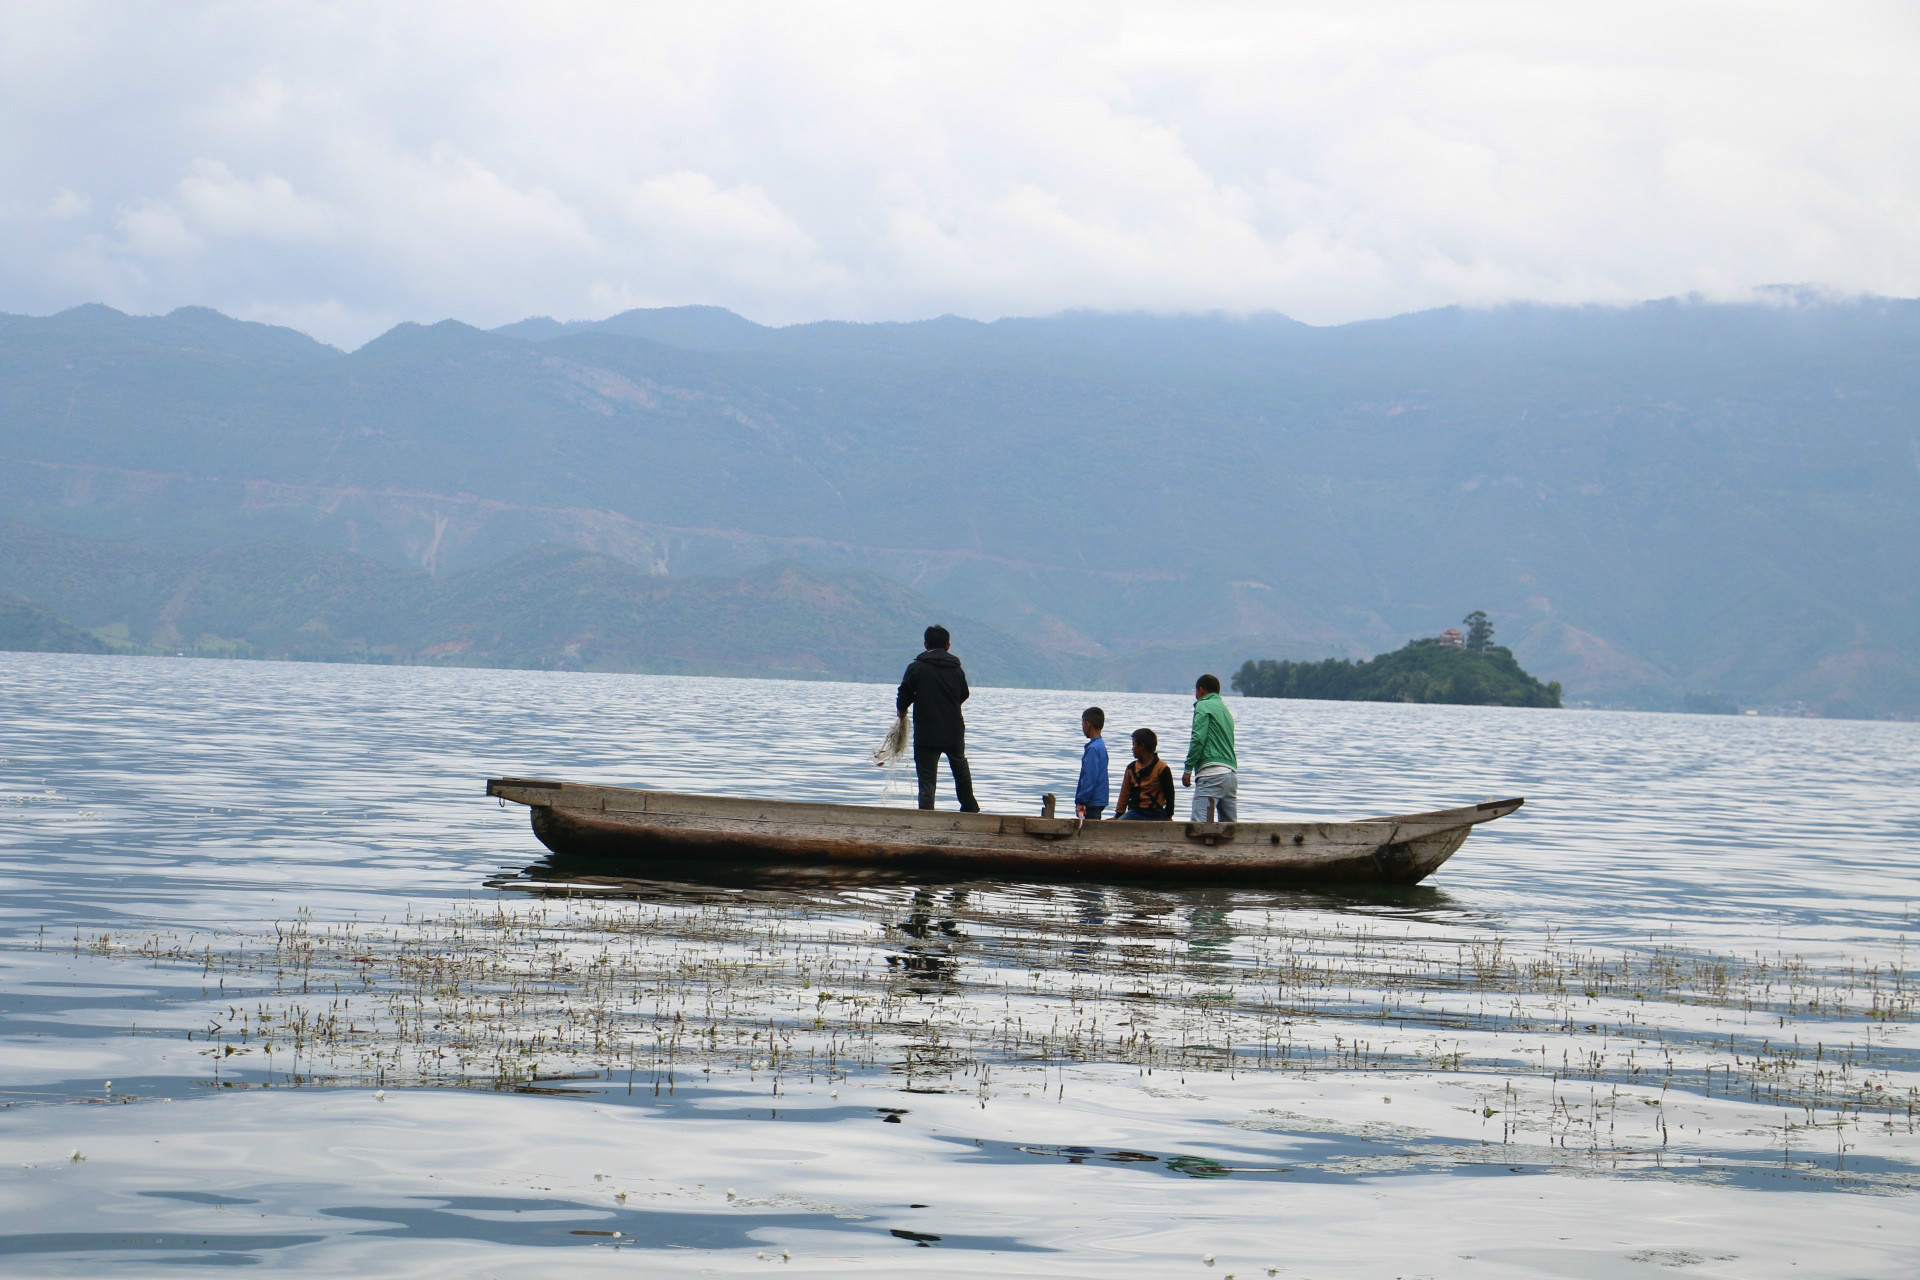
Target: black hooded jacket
<point>935,685</point>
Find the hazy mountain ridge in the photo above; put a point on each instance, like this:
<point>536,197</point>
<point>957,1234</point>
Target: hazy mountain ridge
<point>547,606</point>
<point>1649,500</point>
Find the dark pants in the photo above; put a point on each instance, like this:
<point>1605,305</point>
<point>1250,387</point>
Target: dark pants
<point>926,764</point>
<point>1148,815</point>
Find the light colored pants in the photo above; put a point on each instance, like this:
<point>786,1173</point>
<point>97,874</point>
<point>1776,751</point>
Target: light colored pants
<point>1224,789</point>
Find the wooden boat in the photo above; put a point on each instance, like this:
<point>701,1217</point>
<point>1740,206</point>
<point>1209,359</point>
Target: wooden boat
<point>632,830</point>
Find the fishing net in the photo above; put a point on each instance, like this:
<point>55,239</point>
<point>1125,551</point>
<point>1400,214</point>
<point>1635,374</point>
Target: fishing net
<point>889,755</point>
<point>893,746</point>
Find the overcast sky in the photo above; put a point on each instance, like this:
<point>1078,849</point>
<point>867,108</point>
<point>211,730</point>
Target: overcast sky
<point>340,167</point>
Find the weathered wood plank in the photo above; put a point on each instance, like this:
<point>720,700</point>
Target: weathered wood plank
<point>635,827</point>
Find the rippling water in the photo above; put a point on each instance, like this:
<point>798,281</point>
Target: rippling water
<point>1660,1018</point>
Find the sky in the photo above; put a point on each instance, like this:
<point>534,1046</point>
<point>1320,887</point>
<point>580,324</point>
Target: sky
<point>342,166</point>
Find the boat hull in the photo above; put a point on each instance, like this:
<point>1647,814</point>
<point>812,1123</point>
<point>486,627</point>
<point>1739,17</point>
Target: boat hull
<point>631,830</point>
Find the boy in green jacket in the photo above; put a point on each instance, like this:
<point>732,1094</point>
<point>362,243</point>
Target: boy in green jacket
<point>1212,768</point>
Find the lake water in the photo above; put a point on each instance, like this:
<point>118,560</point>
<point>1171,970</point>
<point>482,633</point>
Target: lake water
<point>277,989</point>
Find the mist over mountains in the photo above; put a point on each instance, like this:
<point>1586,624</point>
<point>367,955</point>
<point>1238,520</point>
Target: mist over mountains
<point>1652,502</point>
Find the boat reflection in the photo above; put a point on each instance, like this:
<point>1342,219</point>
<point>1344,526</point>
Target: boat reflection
<point>931,930</point>
<point>695,883</point>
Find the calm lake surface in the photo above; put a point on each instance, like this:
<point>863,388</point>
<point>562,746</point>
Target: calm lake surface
<point>277,988</point>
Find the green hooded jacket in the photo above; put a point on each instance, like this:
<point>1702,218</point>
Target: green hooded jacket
<point>1212,735</point>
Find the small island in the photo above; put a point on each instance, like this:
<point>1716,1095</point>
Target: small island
<point>1463,669</point>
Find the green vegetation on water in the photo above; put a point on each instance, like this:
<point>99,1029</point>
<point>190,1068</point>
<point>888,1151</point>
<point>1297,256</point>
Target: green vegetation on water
<point>1469,670</point>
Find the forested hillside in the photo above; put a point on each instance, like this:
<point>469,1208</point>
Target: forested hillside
<point>547,606</point>
<point>1654,502</point>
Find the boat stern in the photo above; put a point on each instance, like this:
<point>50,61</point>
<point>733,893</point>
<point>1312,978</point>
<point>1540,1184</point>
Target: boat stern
<point>527,791</point>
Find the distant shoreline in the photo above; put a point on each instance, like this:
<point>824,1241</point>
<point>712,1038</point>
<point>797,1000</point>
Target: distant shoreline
<point>1761,713</point>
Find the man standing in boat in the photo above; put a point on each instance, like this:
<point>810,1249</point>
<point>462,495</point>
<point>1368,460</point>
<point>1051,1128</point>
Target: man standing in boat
<point>935,685</point>
<point>1212,767</point>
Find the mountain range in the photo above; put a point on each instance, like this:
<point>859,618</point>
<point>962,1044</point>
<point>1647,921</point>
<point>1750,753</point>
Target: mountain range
<point>548,606</point>
<point>1654,503</point>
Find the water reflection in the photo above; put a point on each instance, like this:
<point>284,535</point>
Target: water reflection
<point>1712,981</point>
<point>848,887</point>
<point>933,926</point>
<point>519,1221</point>
<point>927,963</point>
<point>1090,916</point>
<point>173,1249</point>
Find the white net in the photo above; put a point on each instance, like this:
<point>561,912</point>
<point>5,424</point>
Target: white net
<point>890,755</point>
<point>893,746</point>
<point>899,786</point>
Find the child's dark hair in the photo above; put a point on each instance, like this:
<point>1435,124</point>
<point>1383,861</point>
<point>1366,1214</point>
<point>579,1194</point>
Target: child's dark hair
<point>1146,738</point>
<point>1210,683</point>
<point>1095,717</point>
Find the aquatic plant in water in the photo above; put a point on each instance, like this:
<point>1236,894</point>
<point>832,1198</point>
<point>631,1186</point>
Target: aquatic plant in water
<point>961,989</point>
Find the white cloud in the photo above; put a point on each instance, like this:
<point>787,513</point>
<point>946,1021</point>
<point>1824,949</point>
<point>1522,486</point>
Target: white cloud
<point>691,206</point>
<point>352,163</point>
<point>62,206</point>
<point>155,230</point>
<point>66,205</point>
<point>265,207</point>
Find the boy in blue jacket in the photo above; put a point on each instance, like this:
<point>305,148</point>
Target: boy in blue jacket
<point>1090,796</point>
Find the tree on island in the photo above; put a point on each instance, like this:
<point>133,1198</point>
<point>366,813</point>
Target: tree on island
<point>1480,673</point>
<point>1479,630</point>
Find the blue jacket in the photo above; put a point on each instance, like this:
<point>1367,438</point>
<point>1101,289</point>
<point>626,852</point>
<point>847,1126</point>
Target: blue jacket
<point>1092,790</point>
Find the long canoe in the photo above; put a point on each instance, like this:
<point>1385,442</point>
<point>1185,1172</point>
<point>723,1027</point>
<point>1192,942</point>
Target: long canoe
<point>631,831</point>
